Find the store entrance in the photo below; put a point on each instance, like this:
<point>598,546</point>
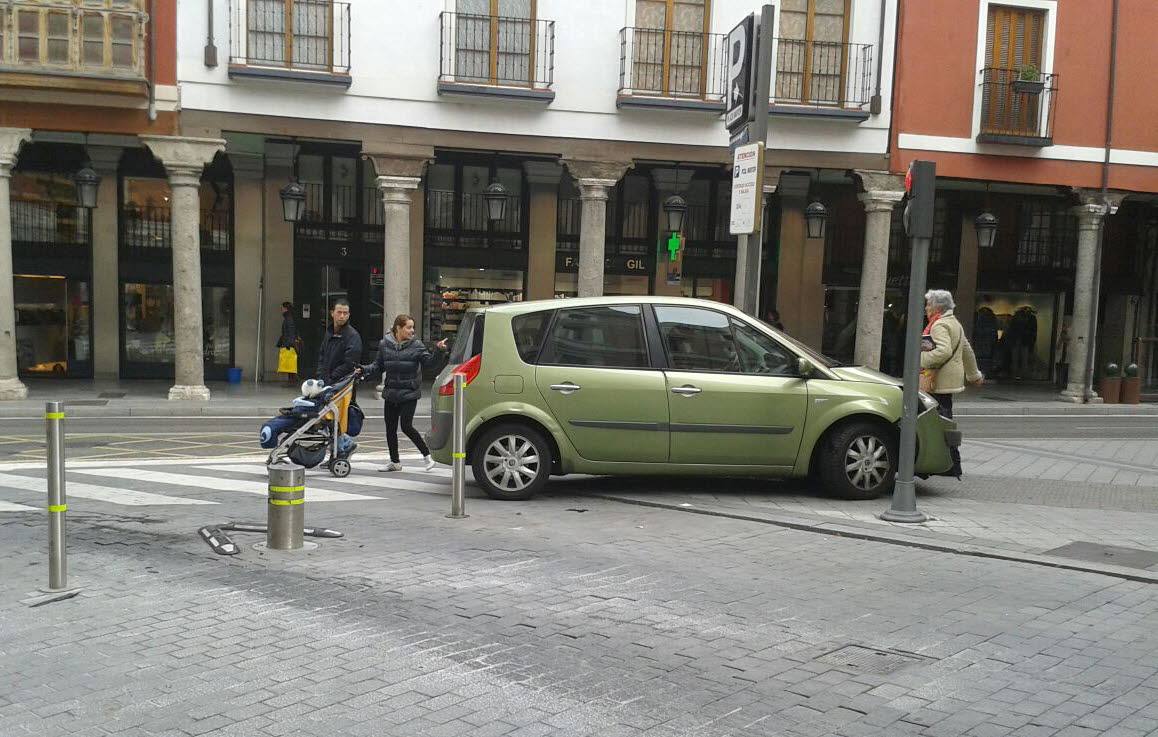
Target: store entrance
<point>317,286</point>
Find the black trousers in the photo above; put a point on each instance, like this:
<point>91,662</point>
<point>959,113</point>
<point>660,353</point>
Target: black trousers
<point>403,412</point>
<point>945,407</point>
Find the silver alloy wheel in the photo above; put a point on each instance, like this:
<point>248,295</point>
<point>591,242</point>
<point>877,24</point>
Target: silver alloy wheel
<point>866,462</point>
<point>511,463</point>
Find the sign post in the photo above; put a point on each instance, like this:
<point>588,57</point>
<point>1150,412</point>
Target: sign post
<point>920,185</point>
<point>746,116</point>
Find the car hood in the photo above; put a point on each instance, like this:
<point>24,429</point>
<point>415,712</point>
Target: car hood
<point>861,373</point>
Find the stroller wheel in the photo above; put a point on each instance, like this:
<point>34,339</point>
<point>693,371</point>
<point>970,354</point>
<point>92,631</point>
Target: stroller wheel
<point>340,468</point>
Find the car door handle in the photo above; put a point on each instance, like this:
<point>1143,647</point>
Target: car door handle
<point>686,391</point>
<point>565,388</point>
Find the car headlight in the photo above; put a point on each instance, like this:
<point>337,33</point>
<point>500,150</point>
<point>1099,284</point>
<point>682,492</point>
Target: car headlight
<point>927,401</point>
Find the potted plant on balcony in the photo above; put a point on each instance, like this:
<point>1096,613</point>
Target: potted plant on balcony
<point>1131,385</point>
<point>1028,80</point>
<point>1110,386</point>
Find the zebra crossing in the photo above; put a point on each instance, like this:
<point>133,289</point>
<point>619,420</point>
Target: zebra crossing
<point>204,482</point>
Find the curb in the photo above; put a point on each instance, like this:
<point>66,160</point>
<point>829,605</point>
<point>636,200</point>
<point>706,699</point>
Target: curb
<point>1096,410</point>
<point>838,530</point>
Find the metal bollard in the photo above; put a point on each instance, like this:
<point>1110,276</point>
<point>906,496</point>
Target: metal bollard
<point>286,511</point>
<point>57,503</point>
<point>458,452</point>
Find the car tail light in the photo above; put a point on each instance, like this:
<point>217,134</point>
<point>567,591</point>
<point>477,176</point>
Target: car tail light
<point>469,370</point>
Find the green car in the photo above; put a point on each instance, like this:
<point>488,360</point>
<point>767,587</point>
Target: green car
<point>663,385</point>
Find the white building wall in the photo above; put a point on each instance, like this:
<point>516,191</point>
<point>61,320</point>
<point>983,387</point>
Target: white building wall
<point>395,67</point>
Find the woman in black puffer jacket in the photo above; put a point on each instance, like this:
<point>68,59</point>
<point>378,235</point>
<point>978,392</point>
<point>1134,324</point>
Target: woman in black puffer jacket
<point>400,361</point>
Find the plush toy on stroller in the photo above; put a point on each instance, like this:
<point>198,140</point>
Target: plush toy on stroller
<point>308,431</point>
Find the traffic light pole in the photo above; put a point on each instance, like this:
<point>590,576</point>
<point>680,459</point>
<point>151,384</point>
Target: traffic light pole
<point>919,223</point>
<point>749,247</point>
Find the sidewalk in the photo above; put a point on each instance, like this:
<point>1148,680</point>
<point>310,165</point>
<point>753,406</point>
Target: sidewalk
<point>112,398</point>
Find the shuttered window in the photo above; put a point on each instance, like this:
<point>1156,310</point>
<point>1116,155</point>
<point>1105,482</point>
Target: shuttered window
<point>1013,42</point>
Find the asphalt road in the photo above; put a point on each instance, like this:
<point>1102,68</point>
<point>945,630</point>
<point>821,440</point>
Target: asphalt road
<point>207,436</point>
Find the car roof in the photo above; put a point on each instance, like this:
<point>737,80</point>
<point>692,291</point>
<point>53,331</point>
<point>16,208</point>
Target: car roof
<point>516,308</point>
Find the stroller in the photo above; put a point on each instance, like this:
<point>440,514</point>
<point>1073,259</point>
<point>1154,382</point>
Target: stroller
<point>307,432</point>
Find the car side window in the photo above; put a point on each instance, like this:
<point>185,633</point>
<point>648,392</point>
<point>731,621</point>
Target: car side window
<point>760,354</point>
<point>609,336</point>
<point>530,331</point>
<point>697,339</point>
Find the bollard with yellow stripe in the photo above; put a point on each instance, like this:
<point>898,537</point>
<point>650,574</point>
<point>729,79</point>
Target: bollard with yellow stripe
<point>286,508</point>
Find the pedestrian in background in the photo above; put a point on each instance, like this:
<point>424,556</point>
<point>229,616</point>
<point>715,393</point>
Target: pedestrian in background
<point>772,317</point>
<point>401,358</point>
<point>949,363</point>
<point>289,348</point>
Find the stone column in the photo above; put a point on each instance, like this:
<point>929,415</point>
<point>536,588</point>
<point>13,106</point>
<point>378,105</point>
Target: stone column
<point>595,179</point>
<point>668,182</point>
<point>184,160</point>
<point>398,180</point>
<point>879,199</point>
<point>543,180</point>
<point>1090,216</point>
<point>106,288</point>
<point>250,295</point>
<point>11,387</point>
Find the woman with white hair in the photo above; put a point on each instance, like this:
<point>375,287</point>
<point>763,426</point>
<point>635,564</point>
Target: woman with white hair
<point>948,363</point>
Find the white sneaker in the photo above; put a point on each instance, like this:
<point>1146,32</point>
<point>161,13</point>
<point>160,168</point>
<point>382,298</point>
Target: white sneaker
<point>428,463</point>
<point>390,467</point>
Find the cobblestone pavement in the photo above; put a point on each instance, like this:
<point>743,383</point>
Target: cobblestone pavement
<point>566,615</point>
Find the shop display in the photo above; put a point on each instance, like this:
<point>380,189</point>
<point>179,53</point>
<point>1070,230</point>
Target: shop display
<point>1013,335</point>
<point>454,291</point>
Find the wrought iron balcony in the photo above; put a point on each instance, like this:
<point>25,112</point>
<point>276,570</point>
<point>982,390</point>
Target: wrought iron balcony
<point>831,78</point>
<point>671,69</point>
<point>302,40</point>
<point>1015,110</point>
<point>496,56</point>
<point>148,229</point>
<point>100,43</point>
<point>38,223</point>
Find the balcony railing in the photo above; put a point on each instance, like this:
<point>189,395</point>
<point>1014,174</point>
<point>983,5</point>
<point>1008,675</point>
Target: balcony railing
<point>680,65</point>
<point>49,224</point>
<point>1016,111</point>
<point>298,37</point>
<point>489,50</point>
<point>93,38</point>
<point>823,74</point>
<point>149,229</point>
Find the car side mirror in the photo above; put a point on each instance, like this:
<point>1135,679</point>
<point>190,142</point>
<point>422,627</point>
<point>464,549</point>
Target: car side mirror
<point>804,367</point>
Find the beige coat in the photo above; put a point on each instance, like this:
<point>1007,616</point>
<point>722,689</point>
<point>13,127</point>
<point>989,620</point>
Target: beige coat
<point>954,367</point>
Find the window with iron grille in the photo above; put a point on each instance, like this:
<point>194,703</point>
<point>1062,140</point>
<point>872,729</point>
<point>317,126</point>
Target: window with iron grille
<point>309,35</point>
<point>456,210</point>
<point>1047,235</point>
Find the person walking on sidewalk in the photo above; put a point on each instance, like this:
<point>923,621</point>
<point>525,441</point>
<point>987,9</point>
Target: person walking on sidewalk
<point>289,345</point>
<point>401,358</point>
<point>949,363</point>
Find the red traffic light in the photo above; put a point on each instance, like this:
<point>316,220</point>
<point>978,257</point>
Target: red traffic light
<point>909,180</point>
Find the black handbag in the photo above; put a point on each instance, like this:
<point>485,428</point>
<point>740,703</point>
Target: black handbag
<point>354,419</point>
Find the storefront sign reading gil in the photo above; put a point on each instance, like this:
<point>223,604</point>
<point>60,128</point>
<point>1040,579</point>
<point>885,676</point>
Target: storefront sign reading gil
<point>747,188</point>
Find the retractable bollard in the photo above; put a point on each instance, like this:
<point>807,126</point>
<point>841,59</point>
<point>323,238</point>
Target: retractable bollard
<point>286,513</point>
<point>458,451</point>
<point>57,503</point>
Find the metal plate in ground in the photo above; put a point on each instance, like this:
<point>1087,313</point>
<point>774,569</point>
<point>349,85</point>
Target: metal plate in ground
<point>860,659</point>
<point>112,395</point>
<point>1112,555</point>
<point>85,402</point>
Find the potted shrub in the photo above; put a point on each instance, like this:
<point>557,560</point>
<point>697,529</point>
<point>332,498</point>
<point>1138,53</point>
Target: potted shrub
<point>1111,385</point>
<point>1131,385</point>
<point>1028,80</point>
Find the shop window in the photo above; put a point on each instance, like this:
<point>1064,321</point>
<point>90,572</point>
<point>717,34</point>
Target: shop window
<point>609,337</point>
<point>451,291</point>
<point>53,325</point>
<point>148,323</point>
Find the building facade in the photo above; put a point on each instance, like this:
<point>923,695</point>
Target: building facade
<point>1034,115</point>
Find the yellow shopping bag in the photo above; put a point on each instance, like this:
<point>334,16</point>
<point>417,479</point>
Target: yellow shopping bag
<point>287,361</point>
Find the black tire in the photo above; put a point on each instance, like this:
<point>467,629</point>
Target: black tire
<point>513,443</point>
<point>865,443</point>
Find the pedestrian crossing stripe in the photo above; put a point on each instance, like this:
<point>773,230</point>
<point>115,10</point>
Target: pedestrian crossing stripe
<point>382,482</point>
<point>111,463</point>
<point>79,490</point>
<point>14,507</point>
<point>213,483</point>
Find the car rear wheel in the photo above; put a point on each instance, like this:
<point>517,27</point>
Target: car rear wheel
<point>859,461</point>
<point>511,462</point>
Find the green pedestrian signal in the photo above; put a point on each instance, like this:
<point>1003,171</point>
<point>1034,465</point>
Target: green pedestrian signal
<point>673,246</point>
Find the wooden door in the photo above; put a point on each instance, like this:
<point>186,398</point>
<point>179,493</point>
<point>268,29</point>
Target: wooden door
<point>670,54</point>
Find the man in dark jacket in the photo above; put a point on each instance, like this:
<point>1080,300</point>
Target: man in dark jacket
<point>339,354</point>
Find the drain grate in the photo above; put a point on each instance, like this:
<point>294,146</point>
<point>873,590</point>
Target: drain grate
<point>112,395</point>
<point>860,659</point>
<point>1114,555</point>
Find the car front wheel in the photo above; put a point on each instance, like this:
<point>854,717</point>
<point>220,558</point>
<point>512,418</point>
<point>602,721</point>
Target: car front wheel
<point>511,462</point>
<point>859,462</point>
